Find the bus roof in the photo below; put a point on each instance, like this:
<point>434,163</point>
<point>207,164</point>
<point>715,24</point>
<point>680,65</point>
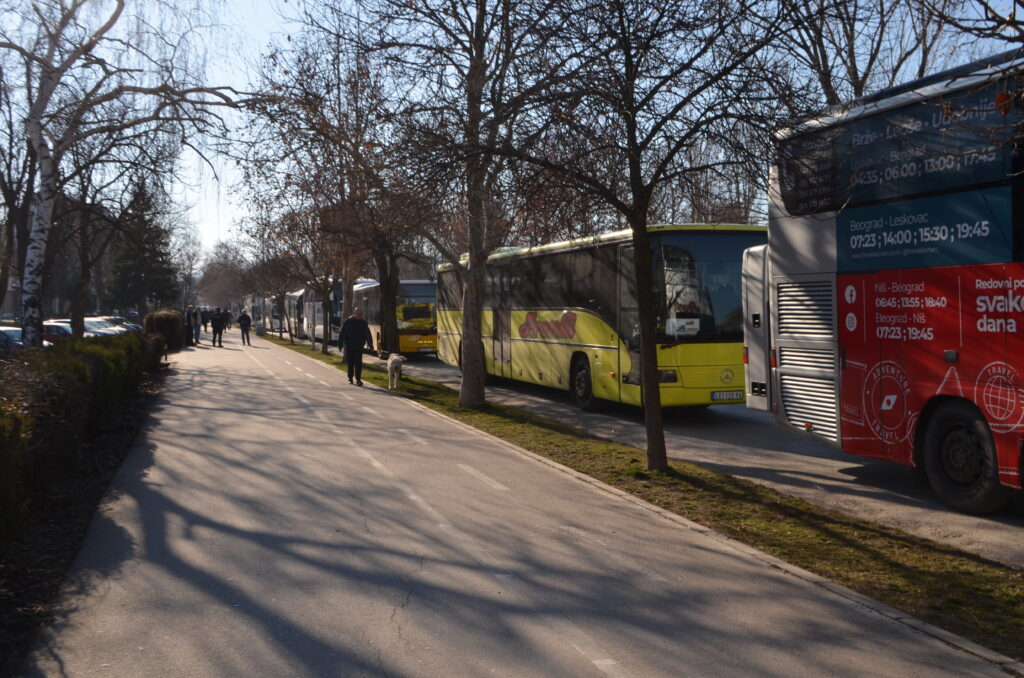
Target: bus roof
<point>961,77</point>
<point>368,284</point>
<point>616,236</point>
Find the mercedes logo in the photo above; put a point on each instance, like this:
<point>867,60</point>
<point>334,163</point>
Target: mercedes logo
<point>727,376</point>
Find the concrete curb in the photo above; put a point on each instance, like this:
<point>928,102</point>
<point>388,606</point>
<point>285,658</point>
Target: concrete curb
<point>1010,666</point>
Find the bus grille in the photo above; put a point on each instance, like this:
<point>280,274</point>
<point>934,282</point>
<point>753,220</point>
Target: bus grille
<point>810,404</point>
<point>805,309</point>
<point>807,358</point>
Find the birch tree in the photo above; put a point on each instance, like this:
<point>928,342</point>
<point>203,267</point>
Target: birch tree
<point>92,68</point>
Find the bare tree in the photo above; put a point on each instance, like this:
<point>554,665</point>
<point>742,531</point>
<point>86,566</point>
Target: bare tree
<point>992,24</point>
<point>188,255</point>
<point>17,179</point>
<point>462,67</point>
<point>849,48</point>
<point>90,72</point>
<point>662,77</point>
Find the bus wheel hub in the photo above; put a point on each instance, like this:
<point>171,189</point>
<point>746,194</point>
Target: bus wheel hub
<point>962,457</point>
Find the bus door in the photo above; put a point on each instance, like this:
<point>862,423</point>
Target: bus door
<point>502,314</point>
<point>629,323</point>
<point>756,335</point>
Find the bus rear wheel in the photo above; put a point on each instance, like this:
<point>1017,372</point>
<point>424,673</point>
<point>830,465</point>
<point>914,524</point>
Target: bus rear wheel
<point>960,460</point>
<point>581,385</point>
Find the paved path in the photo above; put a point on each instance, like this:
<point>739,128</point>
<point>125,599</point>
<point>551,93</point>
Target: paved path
<point>748,444</point>
<point>275,521</point>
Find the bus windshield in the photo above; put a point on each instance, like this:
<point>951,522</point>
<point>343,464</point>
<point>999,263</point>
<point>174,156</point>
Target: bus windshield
<point>698,277</point>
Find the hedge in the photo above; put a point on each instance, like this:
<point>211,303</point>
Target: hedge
<point>170,324</point>
<point>51,402</point>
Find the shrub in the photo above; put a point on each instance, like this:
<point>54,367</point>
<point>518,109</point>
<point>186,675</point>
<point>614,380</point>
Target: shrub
<point>170,324</point>
<point>12,491</point>
<point>51,400</point>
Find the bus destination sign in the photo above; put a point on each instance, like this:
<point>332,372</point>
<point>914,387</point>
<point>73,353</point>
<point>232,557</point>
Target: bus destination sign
<point>973,227</point>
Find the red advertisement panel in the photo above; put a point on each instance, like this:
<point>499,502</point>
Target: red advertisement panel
<point>909,335</point>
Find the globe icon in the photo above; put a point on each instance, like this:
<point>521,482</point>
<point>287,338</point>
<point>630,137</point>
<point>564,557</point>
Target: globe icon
<point>999,397</point>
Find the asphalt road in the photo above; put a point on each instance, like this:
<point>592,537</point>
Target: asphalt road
<point>748,444</point>
<point>275,521</point>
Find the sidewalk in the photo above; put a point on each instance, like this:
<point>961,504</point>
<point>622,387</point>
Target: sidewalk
<point>273,521</point>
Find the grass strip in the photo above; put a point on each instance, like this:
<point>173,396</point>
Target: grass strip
<point>957,591</point>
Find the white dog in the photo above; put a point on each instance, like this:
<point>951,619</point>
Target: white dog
<point>394,370</point>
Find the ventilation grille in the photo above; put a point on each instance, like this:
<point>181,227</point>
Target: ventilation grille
<point>810,404</point>
<point>807,358</point>
<point>805,309</point>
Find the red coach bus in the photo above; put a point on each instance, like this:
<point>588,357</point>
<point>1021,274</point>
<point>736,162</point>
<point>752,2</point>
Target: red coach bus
<point>885,313</point>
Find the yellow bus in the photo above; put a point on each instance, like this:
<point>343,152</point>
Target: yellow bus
<point>565,315</point>
<point>414,306</point>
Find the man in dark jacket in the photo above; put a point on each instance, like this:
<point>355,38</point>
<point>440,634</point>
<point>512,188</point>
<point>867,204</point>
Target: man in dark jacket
<point>244,323</point>
<point>355,334</point>
<point>217,323</point>
<point>191,318</point>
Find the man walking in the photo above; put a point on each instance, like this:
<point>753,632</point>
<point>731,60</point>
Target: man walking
<point>244,322</point>
<point>217,323</point>
<point>197,323</point>
<point>190,329</point>
<point>355,334</point>
<point>205,314</point>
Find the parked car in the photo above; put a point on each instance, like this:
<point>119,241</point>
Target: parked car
<point>89,332</point>
<point>122,322</point>
<point>7,318</point>
<point>7,343</point>
<point>13,335</point>
<point>101,326</point>
<point>54,331</point>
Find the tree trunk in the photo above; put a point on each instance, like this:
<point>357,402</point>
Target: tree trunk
<point>35,260</point>
<point>288,322</point>
<point>35,253</point>
<point>657,459</point>
<point>388,272</point>
<point>471,391</point>
<point>78,306</point>
<point>280,315</point>
<point>347,302</point>
<point>325,301</point>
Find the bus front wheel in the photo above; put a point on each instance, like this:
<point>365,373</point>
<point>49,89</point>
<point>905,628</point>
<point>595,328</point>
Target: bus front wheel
<point>960,460</point>
<point>581,385</point>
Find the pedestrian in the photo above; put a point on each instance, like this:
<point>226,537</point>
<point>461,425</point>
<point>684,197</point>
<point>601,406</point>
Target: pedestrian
<point>355,333</point>
<point>227,319</point>
<point>244,322</point>
<point>206,317</point>
<point>190,318</point>
<point>196,324</point>
<point>217,323</point>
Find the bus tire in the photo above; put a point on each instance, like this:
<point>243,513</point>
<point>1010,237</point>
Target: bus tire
<point>960,459</point>
<point>581,384</point>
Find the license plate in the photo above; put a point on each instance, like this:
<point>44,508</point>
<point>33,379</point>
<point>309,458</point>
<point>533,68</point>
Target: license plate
<point>726,395</point>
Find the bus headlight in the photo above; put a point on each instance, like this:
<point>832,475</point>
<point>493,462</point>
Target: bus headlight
<point>667,376</point>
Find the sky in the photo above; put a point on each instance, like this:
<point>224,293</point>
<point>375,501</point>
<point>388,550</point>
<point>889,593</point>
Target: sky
<point>207,188</point>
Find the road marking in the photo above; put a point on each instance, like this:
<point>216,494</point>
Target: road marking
<point>310,375</point>
<point>562,626</point>
<point>345,395</point>
<point>290,363</point>
<point>297,368</point>
<point>480,476</point>
<point>623,560</point>
<point>323,383</point>
<point>415,437</point>
<point>368,410</point>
